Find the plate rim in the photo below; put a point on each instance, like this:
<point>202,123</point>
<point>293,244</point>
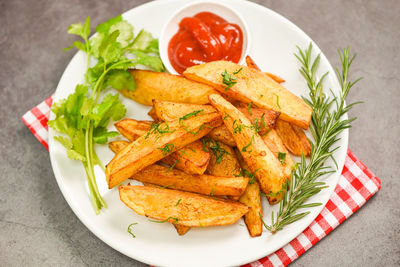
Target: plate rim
<point>86,220</point>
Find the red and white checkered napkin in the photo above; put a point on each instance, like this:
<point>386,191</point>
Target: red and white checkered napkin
<point>356,185</point>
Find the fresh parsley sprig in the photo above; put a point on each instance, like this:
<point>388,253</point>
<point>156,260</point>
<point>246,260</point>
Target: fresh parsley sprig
<point>83,117</point>
<point>327,124</point>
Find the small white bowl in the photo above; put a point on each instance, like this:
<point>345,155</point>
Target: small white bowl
<point>172,26</point>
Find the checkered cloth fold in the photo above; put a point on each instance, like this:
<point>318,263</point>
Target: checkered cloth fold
<point>356,185</point>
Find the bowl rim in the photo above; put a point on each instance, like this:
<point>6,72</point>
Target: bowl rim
<point>163,44</point>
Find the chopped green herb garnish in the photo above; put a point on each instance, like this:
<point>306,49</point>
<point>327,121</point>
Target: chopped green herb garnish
<point>130,230</point>
<point>166,149</point>
<point>215,148</point>
<point>158,128</point>
<point>167,186</point>
<point>176,161</point>
<point>277,100</point>
<point>244,149</point>
<point>249,108</point>
<point>239,70</point>
<point>191,114</point>
<point>251,176</point>
<point>237,128</point>
<point>167,220</point>
<point>212,192</point>
<point>226,116</point>
<point>282,157</point>
<point>179,201</point>
<point>228,80</point>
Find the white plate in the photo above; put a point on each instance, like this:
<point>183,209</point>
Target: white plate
<point>274,42</point>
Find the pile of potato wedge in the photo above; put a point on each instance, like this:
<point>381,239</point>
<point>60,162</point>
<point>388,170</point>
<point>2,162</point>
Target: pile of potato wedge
<point>222,137</point>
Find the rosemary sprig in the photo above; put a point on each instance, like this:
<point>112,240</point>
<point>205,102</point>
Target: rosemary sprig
<point>326,125</point>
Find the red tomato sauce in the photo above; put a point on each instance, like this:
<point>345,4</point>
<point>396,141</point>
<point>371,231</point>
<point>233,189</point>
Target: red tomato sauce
<point>203,38</point>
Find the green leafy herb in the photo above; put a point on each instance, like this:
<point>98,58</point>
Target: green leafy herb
<point>167,220</point>
<point>130,229</point>
<point>179,201</point>
<point>282,157</point>
<point>228,79</point>
<point>327,124</point>
<point>215,148</point>
<point>249,108</point>
<point>250,175</point>
<point>166,149</point>
<point>244,149</point>
<point>237,127</point>
<point>226,116</point>
<point>190,115</point>
<point>159,129</point>
<point>178,159</point>
<point>212,192</point>
<point>85,114</point>
<point>236,72</point>
<point>184,127</point>
<point>277,101</point>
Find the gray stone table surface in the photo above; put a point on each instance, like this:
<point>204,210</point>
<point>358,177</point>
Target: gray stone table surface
<point>37,227</point>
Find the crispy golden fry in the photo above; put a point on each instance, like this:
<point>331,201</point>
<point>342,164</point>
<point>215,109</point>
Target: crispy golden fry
<point>275,144</point>
<point>187,209</point>
<point>251,64</point>
<point>223,160</point>
<point>265,119</point>
<point>303,139</point>
<point>157,85</point>
<point>294,140</point>
<point>274,77</point>
<point>191,159</point>
<point>202,184</point>
<point>160,142</point>
<point>153,115</point>
<point>261,161</point>
<point>252,198</point>
<point>117,146</point>
<point>132,129</point>
<point>168,110</point>
<point>253,86</point>
<point>180,229</point>
<point>223,135</point>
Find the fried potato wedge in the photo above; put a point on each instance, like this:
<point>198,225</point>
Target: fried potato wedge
<point>187,209</point>
<point>117,146</point>
<point>251,198</point>
<point>160,142</point>
<point>262,118</point>
<point>223,160</point>
<point>275,144</point>
<point>202,184</point>
<point>251,64</point>
<point>168,110</point>
<point>158,85</point>
<point>261,161</point>
<point>223,135</point>
<point>132,129</point>
<point>191,159</point>
<point>303,139</point>
<point>253,86</point>
<point>153,115</point>
<point>180,229</point>
<point>294,139</point>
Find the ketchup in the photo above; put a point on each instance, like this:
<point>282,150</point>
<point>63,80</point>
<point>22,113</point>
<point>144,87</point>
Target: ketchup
<point>203,38</point>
